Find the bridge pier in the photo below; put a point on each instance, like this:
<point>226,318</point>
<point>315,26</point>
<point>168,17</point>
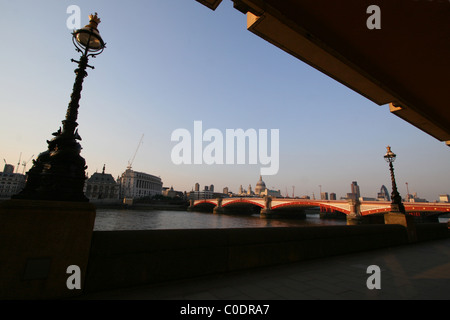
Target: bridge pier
<point>354,220</point>
<point>354,217</point>
<point>219,209</point>
<point>266,213</point>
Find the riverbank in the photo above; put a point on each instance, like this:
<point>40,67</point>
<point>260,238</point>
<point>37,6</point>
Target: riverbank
<point>156,205</point>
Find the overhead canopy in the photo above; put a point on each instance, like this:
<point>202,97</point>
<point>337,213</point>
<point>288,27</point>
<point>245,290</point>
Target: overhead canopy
<point>404,63</point>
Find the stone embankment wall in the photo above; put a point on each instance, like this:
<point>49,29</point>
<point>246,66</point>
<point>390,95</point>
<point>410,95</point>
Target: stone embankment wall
<point>120,259</point>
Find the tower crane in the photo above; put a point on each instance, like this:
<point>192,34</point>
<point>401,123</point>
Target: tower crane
<point>407,192</point>
<point>130,162</point>
<point>24,163</point>
<point>18,163</point>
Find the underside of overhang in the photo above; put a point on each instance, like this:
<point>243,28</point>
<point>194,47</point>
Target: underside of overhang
<point>404,63</point>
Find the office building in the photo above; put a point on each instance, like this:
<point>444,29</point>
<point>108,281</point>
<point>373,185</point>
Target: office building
<point>10,183</point>
<point>135,184</point>
<point>355,190</point>
<point>383,195</point>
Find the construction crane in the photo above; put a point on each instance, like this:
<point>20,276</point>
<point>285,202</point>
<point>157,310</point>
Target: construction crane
<point>407,194</point>
<point>130,162</point>
<point>24,163</point>
<point>18,163</point>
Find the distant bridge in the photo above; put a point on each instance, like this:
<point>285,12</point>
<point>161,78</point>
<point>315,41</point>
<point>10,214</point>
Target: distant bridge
<point>272,206</point>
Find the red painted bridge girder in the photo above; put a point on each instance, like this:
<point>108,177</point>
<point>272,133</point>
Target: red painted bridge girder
<point>337,205</point>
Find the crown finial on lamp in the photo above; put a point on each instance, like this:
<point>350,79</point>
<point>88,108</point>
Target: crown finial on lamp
<point>94,18</point>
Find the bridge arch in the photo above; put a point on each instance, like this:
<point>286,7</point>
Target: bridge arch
<point>204,205</point>
<point>242,206</point>
<point>307,204</point>
<point>242,201</point>
<point>203,202</point>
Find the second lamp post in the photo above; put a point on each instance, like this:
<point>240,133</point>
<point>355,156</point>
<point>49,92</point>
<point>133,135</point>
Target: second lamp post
<point>396,204</point>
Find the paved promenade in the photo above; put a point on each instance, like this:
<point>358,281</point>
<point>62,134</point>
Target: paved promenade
<point>416,271</point>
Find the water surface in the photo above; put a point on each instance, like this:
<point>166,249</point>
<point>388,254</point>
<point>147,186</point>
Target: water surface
<point>127,219</point>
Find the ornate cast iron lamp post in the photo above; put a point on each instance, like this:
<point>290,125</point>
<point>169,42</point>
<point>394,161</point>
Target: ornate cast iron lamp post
<point>396,204</point>
<point>59,173</point>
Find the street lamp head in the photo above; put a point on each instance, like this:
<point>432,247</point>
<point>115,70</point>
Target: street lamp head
<point>389,156</point>
<point>88,39</point>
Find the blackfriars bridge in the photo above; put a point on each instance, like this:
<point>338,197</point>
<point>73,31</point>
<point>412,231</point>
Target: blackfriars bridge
<point>352,209</point>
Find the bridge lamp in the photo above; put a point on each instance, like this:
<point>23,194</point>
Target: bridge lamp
<point>396,204</point>
<point>59,173</point>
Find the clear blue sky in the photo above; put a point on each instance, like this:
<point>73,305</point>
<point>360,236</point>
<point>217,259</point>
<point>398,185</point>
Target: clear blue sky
<point>169,63</point>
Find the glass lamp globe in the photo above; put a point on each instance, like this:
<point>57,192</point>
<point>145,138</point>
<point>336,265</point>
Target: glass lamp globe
<point>389,156</point>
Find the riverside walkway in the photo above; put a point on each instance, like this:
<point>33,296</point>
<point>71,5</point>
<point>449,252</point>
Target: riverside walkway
<point>408,272</point>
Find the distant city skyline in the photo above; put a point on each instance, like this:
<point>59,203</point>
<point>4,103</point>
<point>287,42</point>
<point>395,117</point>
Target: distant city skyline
<point>353,188</point>
<point>176,62</point>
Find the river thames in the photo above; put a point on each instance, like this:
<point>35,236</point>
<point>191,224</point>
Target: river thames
<point>149,219</point>
<point>141,219</point>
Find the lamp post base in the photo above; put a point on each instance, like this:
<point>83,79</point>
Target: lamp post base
<point>57,174</point>
<point>40,241</point>
<point>405,220</point>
